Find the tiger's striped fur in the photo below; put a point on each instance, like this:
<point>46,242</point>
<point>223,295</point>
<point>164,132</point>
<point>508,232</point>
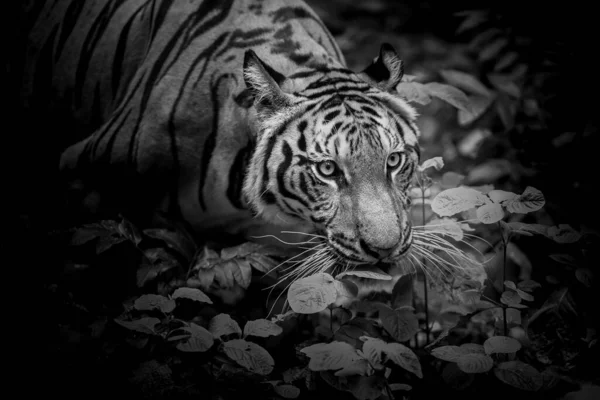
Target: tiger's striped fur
<point>225,112</point>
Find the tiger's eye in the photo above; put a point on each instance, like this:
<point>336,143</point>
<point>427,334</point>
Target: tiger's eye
<point>327,168</point>
<point>395,160</point>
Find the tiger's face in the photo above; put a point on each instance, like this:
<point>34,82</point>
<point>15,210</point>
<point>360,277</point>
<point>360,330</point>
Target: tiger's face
<point>335,150</point>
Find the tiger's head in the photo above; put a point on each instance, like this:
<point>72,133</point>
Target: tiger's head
<point>335,150</point>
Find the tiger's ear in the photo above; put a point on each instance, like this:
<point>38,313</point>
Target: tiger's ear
<point>263,83</point>
<point>386,71</point>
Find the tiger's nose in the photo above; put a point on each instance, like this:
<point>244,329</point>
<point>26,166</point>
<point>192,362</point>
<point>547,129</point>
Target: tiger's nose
<point>377,252</point>
<point>383,253</point>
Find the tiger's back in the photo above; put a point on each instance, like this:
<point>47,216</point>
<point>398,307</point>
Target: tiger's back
<point>155,85</point>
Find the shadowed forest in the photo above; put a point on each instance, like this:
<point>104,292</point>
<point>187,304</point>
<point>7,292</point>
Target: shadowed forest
<point>504,303</point>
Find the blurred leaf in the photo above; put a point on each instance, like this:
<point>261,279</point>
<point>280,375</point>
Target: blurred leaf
<point>563,234</point>
<point>466,82</point>
<point>506,60</point>
<point>492,49</point>
<point>474,18</point>
<point>504,84</point>
<point>414,92</point>
<point>479,105</point>
<point>585,276</point>
<point>470,144</point>
<point>435,162</point>
<point>451,95</point>
<point>489,172</point>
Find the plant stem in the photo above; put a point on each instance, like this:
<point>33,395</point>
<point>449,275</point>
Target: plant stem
<point>424,275</point>
<point>504,242</point>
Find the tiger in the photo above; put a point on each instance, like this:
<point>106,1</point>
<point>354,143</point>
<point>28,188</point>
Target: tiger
<point>237,116</point>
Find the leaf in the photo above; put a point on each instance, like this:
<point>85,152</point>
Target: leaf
<point>524,295</point>
<point>585,276</point>
<point>510,285</point>
<point>563,234</point>
<point>510,298</point>
<point>490,213</point>
<point>262,328</point>
<point>287,391</point>
<point>414,92</point>
<point>401,324</point>
<point>330,356</point>
<point>531,200</point>
<point>374,350</point>
<point>520,375</point>
<point>312,294</point>
<point>400,386</point>
<point>564,259</point>
<point>528,229</point>
<point>404,357</point>
<point>346,292</point>
<point>466,82</point>
<point>192,294</point>
<point>200,339</point>
<point>501,344</point>
<point>88,233</point>
<point>490,171</point>
<point>492,49</point>
<point>500,196</point>
<point>367,387</point>
<point>106,242</point>
<point>470,296</point>
<point>358,367</point>
<point>451,179</point>
<point>222,324</point>
<point>479,105</point>
<point>175,240</point>
<point>402,292</point>
<point>261,262</point>
<point>250,356</point>
<point>448,353</point>
<point>455,200</point>
<point>143,325</point>
<point>505,84</point>
<point>450,94</point>
<point>149,302</point>
<point>472,348</point>
<point>435,162</point>
<point>475,363</point>
<point>130,231</point>
<point>369,272</point>
<point>528,285</point>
